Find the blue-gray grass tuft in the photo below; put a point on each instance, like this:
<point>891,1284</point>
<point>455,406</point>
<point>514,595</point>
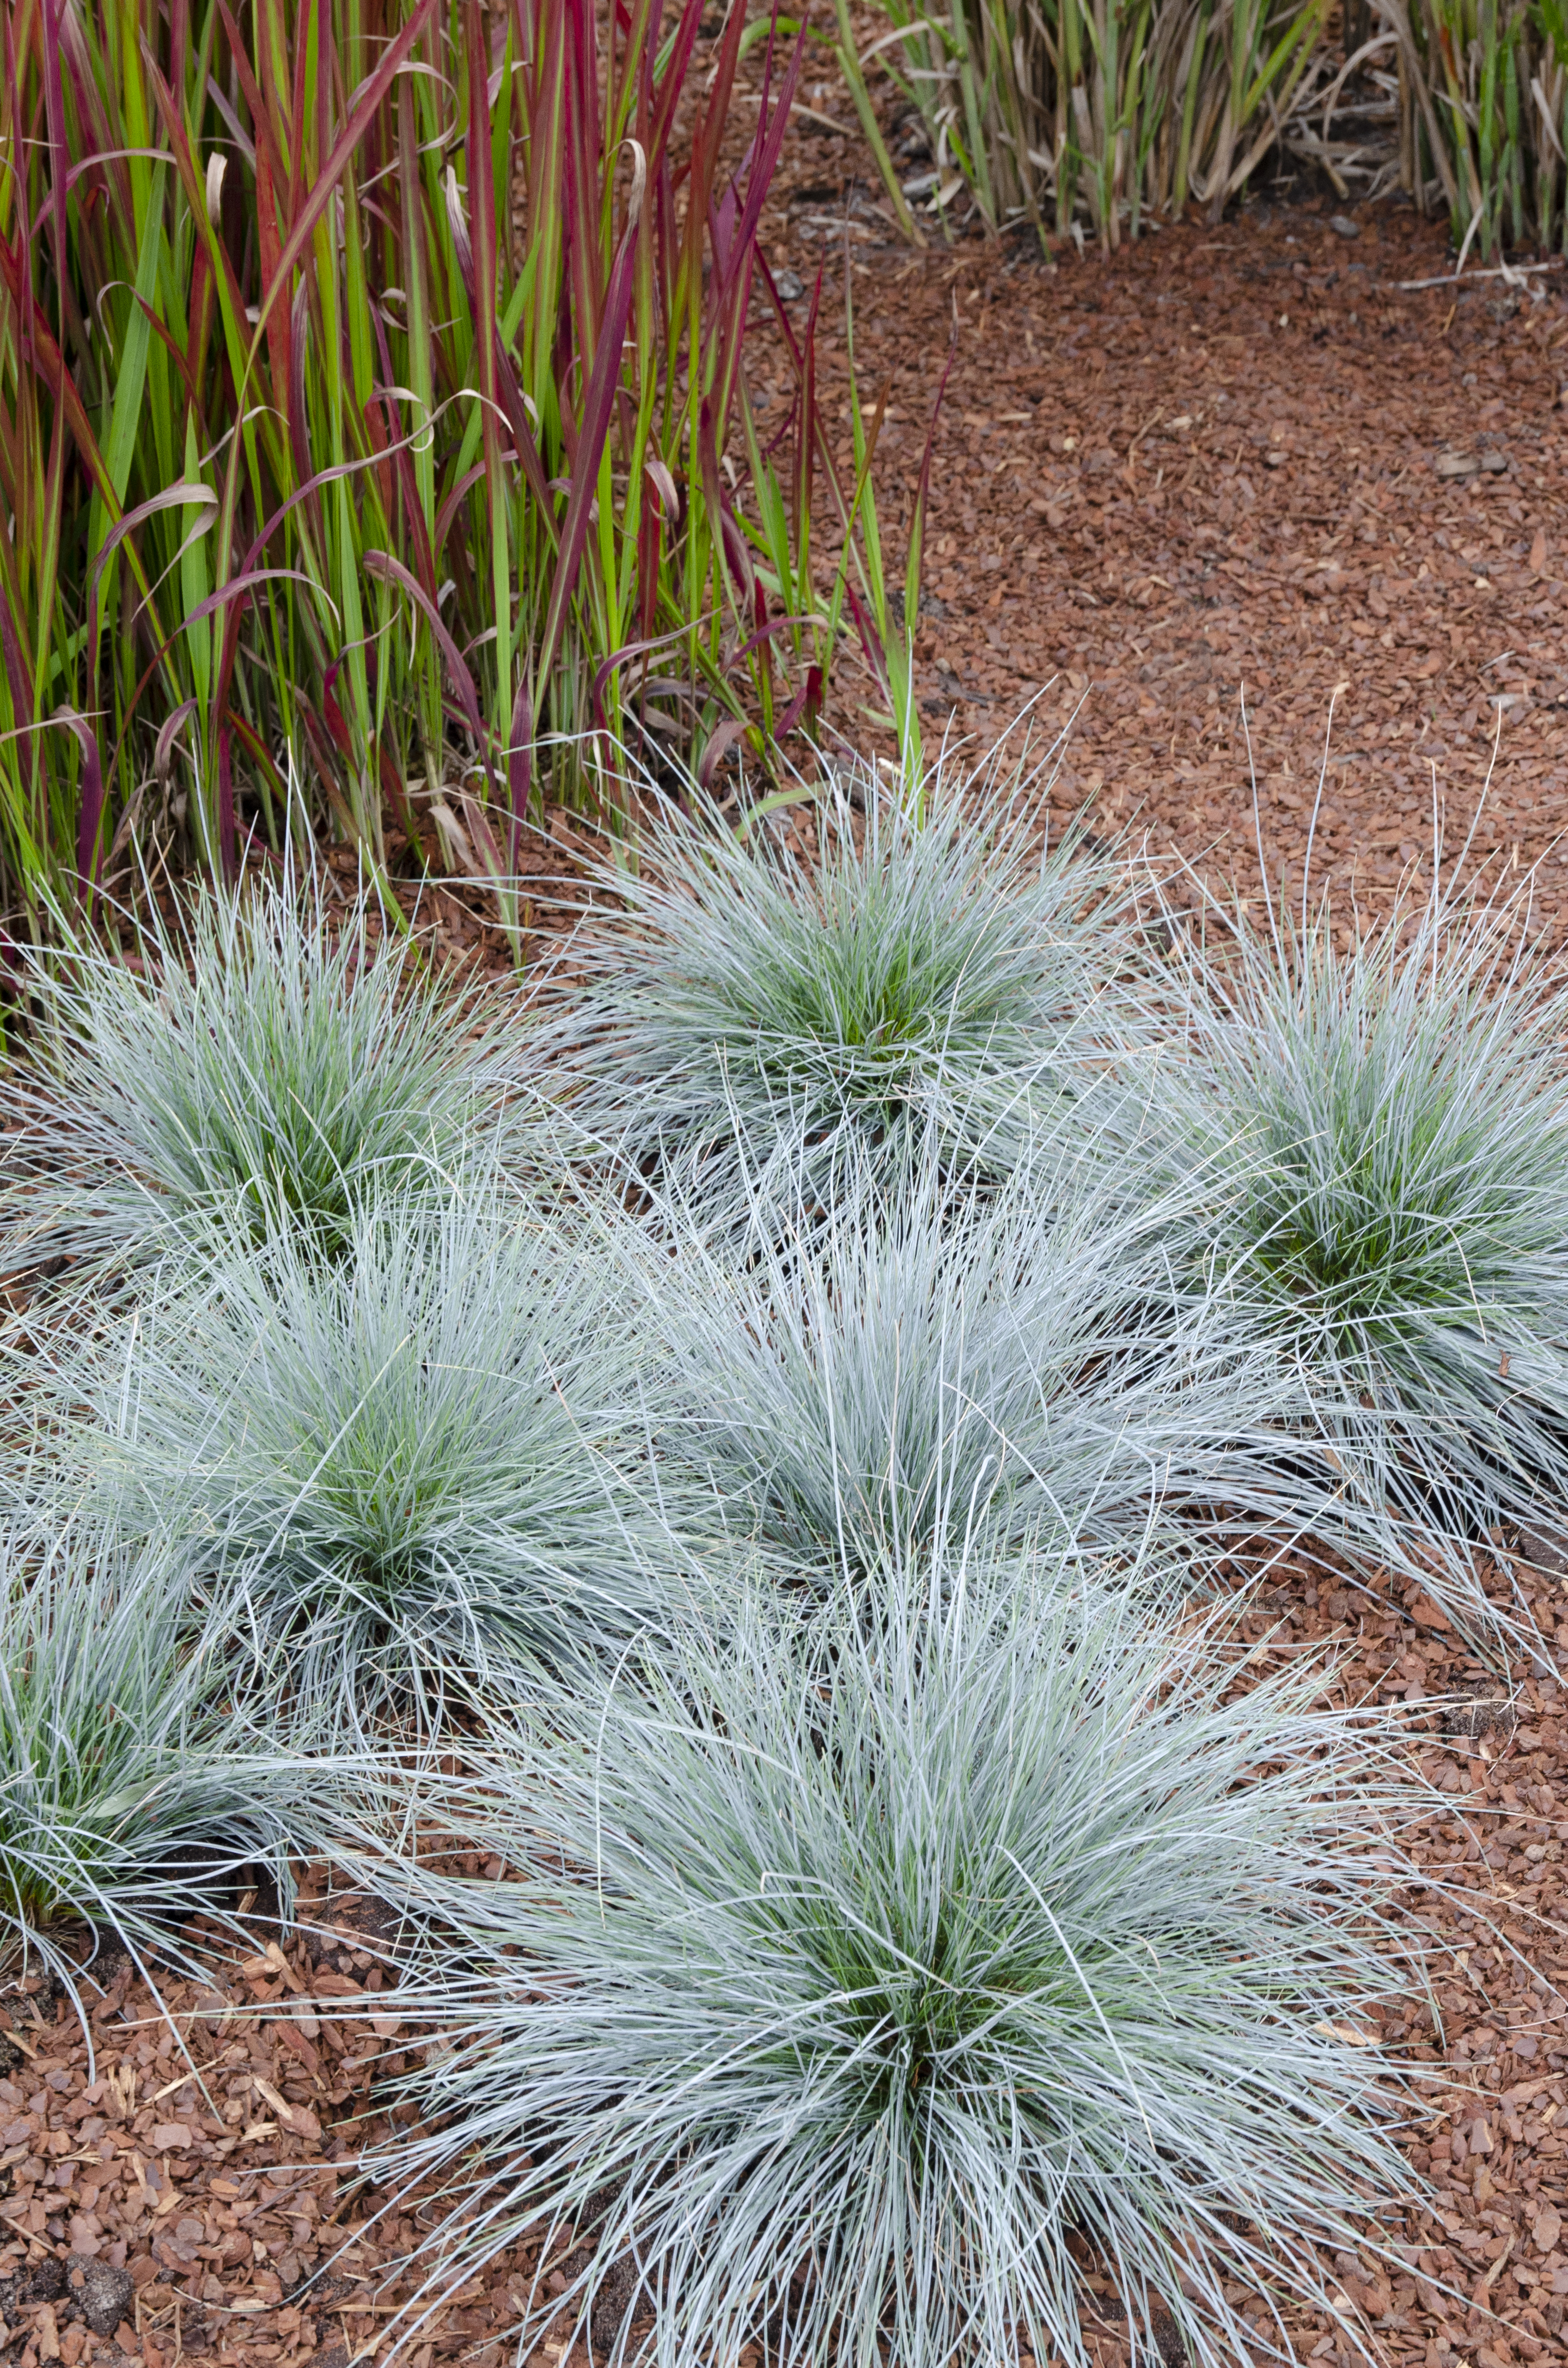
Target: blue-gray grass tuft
<point>734,997</point>
<point>387,1467</point>
<point>866,1991</point>
<point>899,1359</point>
<point>1384,1136</point>
<point>267,1062</point>
<point>129,1799</point>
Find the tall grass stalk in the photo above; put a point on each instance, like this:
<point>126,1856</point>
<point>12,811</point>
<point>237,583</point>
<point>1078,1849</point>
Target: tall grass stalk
<point>1484,100</point>
<point>867,1994</point>
<point>1087,108</point>
<point>1082,113</point>
<point>372,392</point>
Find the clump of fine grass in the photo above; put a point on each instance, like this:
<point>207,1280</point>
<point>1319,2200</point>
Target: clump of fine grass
<point>898,1359</point>
<point>385,1469</point>
<point>1384,1133</point>
<point>128,1801</point>
<point>264,1061</point>
<point>929,964</point>
<point>867,1989</point>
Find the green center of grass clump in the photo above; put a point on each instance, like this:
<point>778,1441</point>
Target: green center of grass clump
<point>759,996</point>
<point>966,1940</point>
<point>872,996</point>
<point>931,1986</point>
<point>270,1123</point>
<point>1369,1217</point>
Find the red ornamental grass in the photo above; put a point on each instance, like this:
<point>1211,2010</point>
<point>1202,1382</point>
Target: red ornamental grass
<point>372,396</point>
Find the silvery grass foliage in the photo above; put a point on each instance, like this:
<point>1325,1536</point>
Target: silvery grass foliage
<point>385,1468</point>
<point>933,961</point>
<point>858,1982</point>
<point>130,1800</point>
<point>898,1359</point>
<point>267,1060</point>
<point>1384,1133</point>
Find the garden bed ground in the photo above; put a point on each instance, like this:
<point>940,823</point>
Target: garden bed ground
<point>1238,461</point>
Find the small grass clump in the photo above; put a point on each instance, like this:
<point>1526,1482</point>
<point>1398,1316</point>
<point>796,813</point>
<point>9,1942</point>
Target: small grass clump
<point>926,965</point>
<point>1384,1133</point>
<point>867,1991</point>
<point>129,1799</point>
<point>266,1062</point>
<point>387,1467</point>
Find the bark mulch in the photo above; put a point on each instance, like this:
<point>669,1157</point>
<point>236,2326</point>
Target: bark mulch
<point>1226,461</point>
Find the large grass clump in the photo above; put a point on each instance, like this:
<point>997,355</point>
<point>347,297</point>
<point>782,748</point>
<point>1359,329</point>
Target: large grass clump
<point>939,966</point>
<point>386,1467</point>
<point>1384,1133</point>
<point>903,1359</point>
<point>262,1058</point>
<point>868,1991</point>
<point>130,1797</point>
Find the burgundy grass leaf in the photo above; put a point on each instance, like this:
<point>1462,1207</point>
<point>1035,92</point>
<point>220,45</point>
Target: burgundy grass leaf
<point>59,151</point>
<point>228,836</point>
<point>720,740</point>
<point>236,588</point>
<point>57,379</point>
<point>598,411</point>
<point>163,747</point>
<point>870,640</point>
<point>259,753</point>
<point>519,765</point>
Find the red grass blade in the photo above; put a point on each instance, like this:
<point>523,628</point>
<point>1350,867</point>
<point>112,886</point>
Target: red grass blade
<point>598,411</point>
